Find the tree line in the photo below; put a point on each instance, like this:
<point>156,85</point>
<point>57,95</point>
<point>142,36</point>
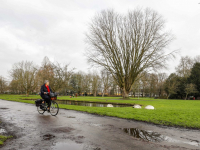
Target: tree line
<point>186,80</point>
<point>27,78</point>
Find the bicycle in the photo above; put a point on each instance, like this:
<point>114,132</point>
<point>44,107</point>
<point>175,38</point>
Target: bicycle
<point>42,105</point>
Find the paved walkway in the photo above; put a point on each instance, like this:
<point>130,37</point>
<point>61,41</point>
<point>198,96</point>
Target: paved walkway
<point>72,130</point>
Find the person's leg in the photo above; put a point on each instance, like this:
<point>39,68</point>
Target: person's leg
<point>48,101</point>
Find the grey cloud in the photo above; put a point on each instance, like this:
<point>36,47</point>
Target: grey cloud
<point>30,30</point>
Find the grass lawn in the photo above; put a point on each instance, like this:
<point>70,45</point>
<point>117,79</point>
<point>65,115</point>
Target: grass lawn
<point>184,113</point>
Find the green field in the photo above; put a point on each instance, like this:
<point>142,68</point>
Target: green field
<point>183,113</point>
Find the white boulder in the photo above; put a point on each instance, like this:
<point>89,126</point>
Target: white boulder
<point>149,107</point>
<point>109,105</point>
<point>137,106</point>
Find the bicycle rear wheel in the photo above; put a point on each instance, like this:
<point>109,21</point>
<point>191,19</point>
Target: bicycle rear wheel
<point>41,111</point>
<point>54,109</point>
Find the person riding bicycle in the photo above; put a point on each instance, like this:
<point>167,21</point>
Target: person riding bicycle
<point>45,93</point>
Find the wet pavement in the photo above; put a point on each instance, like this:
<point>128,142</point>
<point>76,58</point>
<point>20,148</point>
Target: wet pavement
<point>72,130</point>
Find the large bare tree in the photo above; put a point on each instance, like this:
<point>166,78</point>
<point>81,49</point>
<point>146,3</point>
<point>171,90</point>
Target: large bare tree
<point>126,45</point>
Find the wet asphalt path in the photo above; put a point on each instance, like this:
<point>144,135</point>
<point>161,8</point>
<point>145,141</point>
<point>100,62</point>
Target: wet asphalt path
<point>72,130</point>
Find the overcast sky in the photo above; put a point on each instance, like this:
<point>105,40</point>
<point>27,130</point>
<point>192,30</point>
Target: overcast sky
<point>31,30</point>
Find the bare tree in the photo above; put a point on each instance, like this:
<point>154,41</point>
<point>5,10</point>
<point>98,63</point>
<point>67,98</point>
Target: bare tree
<point>153,83</point>
<point>171,85</point>
<point>67,73</point>
<point>126,45</point>
<point>62,76</point>
<point>25,74</point>
<point>46,72</point>
<point>3,84</point>
<point>106,81</point>
<point>86,84</point>
<point>15,87</point>
<point>136,88</point>
<point>161,80</point>
<point>144,82</point>
<point>95,83</point>
<point>185,66</point>
<point>190,88</point>
<point>58,75</point>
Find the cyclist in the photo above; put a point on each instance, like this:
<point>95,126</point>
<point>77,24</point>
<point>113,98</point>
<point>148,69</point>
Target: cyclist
<point>45,93</point>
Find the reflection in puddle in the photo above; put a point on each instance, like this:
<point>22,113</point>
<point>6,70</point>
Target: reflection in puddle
<point>156,137</point>
<point>70,146</point>
<point>144,135</point>
<point>2,130</point>
<point>79,103</point>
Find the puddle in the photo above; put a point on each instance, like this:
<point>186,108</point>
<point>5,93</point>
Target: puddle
<point>68,102</point>
<point>156,137</point>
<point>48,137</point>
<point>144,135</point>
<point>62,130</point>
<point>100,125</point>
<point>2,131</point>
<point>71,117</point>
<point>70,146</point>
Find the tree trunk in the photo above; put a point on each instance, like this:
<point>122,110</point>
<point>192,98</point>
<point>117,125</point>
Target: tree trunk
<point>186,97</point>
<point>125,93</point>
<point>168,96</point>
<point>103,94</point>
<point>95,94</point>
<point>27,93</point>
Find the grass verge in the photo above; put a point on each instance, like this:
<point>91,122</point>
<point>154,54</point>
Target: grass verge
<point>181,113</point>
<point>3,139</point>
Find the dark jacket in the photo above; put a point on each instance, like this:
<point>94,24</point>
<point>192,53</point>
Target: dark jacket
<point>44,89</point>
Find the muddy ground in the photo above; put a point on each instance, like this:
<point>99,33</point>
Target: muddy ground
<point>72,130</point>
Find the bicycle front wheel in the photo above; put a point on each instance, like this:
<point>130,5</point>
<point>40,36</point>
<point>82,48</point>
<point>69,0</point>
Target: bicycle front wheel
<point>54,109</point>
<point>41,111</point>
